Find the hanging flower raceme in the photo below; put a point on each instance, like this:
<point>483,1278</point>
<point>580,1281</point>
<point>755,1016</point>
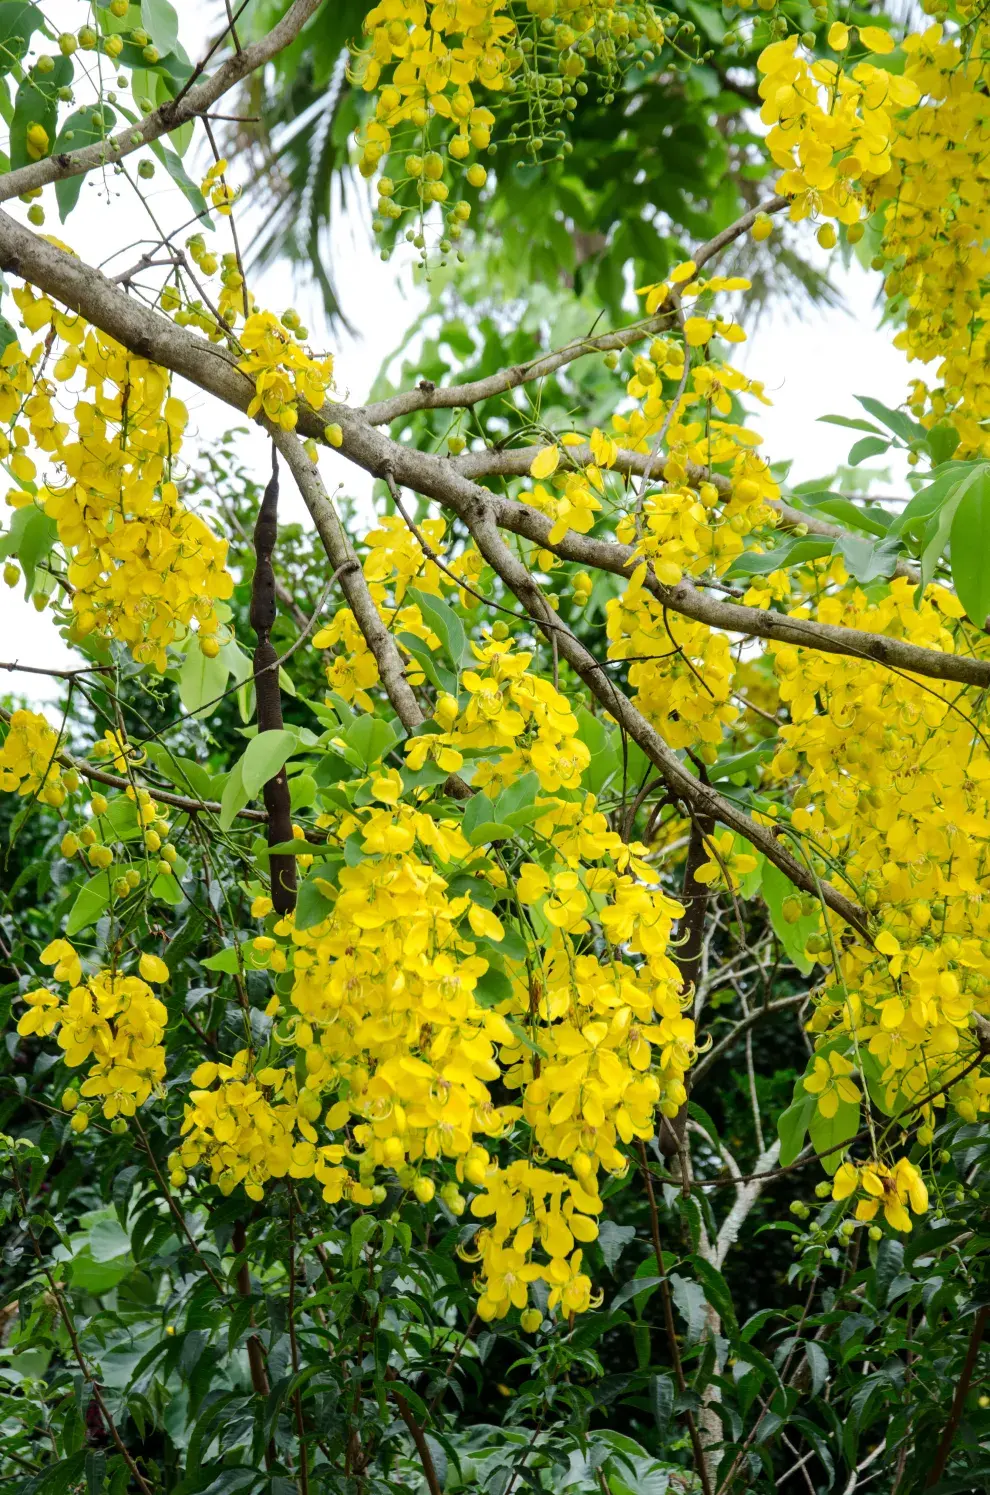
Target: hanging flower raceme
<point>28,759</point>
<point>142,567</point>
<point>114,1020</point>
<point>898,782</point>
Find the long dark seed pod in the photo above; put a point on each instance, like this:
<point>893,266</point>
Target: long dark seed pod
<point>263,612</point>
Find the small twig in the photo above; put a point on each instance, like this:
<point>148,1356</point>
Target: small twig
<point>668,1316</point>
<point>959,1400</point>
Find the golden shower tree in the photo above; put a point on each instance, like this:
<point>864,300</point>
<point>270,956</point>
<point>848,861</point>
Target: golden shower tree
<point>404,916</point>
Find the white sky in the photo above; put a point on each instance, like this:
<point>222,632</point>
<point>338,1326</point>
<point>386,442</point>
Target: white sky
<point>811,367</point>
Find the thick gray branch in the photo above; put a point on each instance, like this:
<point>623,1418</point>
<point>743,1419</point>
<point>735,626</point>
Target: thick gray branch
<point>754,622</point>
<point>175,112</point>
<point>515,462</point>
<point>458,396</point>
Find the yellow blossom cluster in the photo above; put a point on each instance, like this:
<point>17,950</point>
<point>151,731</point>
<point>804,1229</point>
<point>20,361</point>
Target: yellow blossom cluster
<point>429,60</point>
<point>831,130</point>
<point>936,228</point>
<point>113,1019</point>
<point>394,561</point>
<point>27,759</point>
<point>896,790</point>
<point>393,1027</point>
<point>853,136</point>
<point>282,371</point>
<point>514,715</point>
<point>683,672</point>
<point>142,567</point>
<point>889,1189</point>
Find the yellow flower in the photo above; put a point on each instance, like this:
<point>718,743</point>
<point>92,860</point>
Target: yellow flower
<point>829,1081</point>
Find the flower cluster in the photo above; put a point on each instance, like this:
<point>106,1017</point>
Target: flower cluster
<point>898,786</point>
<point>28,759</point>
<point>831,130</point>
<point>142,567</point>
<point>430,61</point>
<point>518,719</point>
<point>889,1189</point>
<point>112,1019</point>
<point>282,371</point>
<point>419,995</point>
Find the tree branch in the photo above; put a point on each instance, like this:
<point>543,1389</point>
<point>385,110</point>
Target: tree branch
<point>515,462</point>
<point>458,396</point>
<point>754,622</point>
<point>171,114</point>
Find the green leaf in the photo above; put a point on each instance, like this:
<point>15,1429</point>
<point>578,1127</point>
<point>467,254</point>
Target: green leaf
<point>96,1472</point>
<point>36,103</point>
<point>830,1134</point>
<point>897,421</point>
<point>490,830</point>
<point>914,516</point>
<point>234,796</point>
<point>792,1126</point>
<point>691,1303</point>
<point>634,1288</point>
<point>185,773</point>
<point>851,423</point>
<point>444,621</point>
<point>30,538</point>
<point>163,90</point>
<point>201,681</point>
<point>97,1277</point>
<point>613,1240</point>
<point>518,796</point>
<point>796,553</point>
<point>937,531</point>
<point>107,1239</point>
<point>875,520</point>
<point>661,1403</point>
<point>438,677</point>
<point>818,1365</point>
<point>91,903</point>
<point>161,23</point>
<point>84,127</point>
<point>865,560</point>
<point>777,887</point>
<point>18,23</point>
<point>870,446</point>
<point>478,811</point>
<point>263,757</point>
<point>716,1289</point>
<point>943,440</point>
<point>312,906</point>
<point>970,549</point>
<point>233,957</point>
<point>371,739</point>
<point>166,887</point>
<point>890,1264</point>
<point>493,987</point>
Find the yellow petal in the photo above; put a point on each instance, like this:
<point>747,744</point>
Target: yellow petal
<point>838,36</point>
<point>153,968</point>
<point>545,462</point>
<point>698,330</point>
<point>682,272</point>
<point>828,1103</point>
<point>875,39</point>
